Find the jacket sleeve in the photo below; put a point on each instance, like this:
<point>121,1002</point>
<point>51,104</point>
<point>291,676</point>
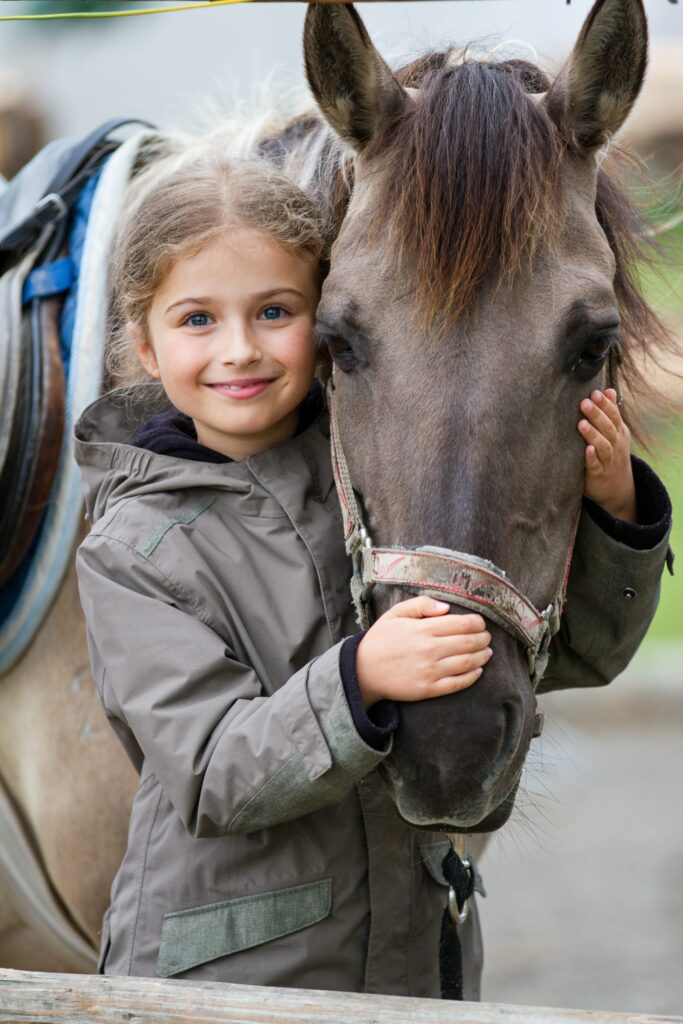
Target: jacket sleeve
<point>613,589</point>
<point>228,757</point>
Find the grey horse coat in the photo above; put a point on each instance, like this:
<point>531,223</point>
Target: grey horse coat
<point>262,846</point>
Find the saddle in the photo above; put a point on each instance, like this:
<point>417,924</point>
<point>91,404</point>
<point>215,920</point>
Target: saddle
<point>39,268</point>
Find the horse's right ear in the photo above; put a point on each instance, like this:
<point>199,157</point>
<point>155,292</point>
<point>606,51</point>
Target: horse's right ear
<point>354,87</point>
<point>595,90</point>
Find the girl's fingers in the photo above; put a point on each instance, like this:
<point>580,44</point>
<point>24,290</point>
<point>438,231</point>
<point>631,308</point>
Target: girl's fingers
<point>421,607</point>
<point>451,684</point>
<point>463,643</point>
<point>464,663</point>
<point>608,404</point>
<point>593,437</point>
<point>442,647</point>
<point>454,625</point>
<point>600,420</point>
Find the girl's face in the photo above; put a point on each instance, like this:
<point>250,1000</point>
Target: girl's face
<point>230,336</point>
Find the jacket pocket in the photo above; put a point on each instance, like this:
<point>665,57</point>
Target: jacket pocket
<point>200,934</point>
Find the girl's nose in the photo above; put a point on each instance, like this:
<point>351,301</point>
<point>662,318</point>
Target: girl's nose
<point>239,345</point>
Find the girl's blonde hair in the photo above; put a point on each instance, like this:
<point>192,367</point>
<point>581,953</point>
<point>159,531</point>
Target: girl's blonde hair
<point>174,214</point>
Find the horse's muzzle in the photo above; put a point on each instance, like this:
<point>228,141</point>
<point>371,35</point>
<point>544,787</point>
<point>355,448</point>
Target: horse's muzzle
<point>457,760</point>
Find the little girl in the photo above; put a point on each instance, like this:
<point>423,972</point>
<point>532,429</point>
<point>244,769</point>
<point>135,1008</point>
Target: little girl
<point>262,846</point>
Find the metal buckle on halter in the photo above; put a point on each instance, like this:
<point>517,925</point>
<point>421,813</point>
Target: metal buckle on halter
<point>457,915</point>
<point>361,588</point>
<point>364,542</point>
<point>550,619</point>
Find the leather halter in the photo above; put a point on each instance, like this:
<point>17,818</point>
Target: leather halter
<point>453,576</point>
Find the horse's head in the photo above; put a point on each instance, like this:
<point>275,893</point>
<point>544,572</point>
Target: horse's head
<point>472,303</point>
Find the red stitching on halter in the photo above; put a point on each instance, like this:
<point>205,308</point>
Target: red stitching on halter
<point>451,589</point>
<point>453,560</point>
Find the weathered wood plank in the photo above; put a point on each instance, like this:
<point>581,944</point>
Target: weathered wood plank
<point>88,999</point>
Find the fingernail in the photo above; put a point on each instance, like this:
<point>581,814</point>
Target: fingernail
<point>587,405</point>
<point>441,604</point>
<point>489,651</point>
<point>479,672</point>
<point>597,396</point>
<point>584,425</point>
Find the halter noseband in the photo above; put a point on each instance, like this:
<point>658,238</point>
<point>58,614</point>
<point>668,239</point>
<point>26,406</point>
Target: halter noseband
<point>454,576</point>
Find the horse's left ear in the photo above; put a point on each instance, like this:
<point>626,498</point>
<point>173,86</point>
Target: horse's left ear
<point>594,92</point>
<point>354,87</point>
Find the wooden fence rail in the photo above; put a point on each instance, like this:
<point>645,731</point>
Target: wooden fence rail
<point>89,999</point>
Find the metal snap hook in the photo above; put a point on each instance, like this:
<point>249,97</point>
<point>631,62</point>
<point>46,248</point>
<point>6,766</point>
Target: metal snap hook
<point>457,915</point>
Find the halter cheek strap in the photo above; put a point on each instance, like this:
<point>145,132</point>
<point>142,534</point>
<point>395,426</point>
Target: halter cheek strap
<point>453,576</point>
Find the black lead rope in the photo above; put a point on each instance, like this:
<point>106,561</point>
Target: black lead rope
<point>463,878</point>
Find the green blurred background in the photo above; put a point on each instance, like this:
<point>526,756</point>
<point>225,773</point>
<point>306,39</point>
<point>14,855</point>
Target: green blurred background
<point>665,292</point>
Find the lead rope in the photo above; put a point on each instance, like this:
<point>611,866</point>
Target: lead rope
<point>463,881</point>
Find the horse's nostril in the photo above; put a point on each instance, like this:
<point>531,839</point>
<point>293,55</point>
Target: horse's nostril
<point>510,733</point>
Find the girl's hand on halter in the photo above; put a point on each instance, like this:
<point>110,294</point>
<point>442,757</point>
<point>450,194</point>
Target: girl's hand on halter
<point>609,477</point>
<point>416,651</point>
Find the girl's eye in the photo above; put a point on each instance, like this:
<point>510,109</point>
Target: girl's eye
<point>198,320</point>
<point>273,313</point>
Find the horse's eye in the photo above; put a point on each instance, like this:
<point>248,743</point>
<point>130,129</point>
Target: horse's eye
<point>594,354</point>
<point>338,347</point>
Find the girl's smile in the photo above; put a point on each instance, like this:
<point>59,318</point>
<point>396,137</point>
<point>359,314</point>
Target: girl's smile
<point>229,333</point>
<point>241,389</point>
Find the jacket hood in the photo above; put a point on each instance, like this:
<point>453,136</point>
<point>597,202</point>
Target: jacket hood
<point>112,470</point>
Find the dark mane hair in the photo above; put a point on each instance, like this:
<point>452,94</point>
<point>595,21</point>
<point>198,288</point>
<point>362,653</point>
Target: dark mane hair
<point>472,189</point>
<point>473,186</point>
<point>647,343</point>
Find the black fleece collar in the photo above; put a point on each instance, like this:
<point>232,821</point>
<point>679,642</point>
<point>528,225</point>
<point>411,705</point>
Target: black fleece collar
<point>171,432</point>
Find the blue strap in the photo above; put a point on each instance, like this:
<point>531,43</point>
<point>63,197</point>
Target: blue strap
<point>50,279</point>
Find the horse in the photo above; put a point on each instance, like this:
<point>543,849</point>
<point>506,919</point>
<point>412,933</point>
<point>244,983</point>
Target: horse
<point>481,252</point>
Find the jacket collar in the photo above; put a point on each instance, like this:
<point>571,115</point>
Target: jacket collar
<point>113,470</point>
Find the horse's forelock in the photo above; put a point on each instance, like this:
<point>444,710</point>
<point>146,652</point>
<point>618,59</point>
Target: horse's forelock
<point>472,183</point>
